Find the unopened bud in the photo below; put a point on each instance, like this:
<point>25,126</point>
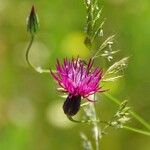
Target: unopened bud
<point>32,22</point>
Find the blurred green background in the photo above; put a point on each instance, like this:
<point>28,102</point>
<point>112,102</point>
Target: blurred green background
<point>31,116</point>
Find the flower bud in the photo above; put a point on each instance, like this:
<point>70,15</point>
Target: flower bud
<point>32,22</point>
<point>72,105</point>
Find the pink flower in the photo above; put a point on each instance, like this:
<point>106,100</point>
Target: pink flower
<point>78,80</point>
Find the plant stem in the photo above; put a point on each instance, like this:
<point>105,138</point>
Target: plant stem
<point>78,121</point>
<point>39,69</point>
<point>127,127</point>
<point>28,50</point>
<point>136,130</point>
<point>141,120</point>
<point>96,129</point>
<point>135,115</point>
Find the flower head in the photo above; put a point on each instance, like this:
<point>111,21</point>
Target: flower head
<point>78,80</point>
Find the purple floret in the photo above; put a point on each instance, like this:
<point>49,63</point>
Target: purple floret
<point>76,78</point>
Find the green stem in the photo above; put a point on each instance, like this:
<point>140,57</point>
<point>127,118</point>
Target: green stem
<point>96,129</point>
<point>112,98</point>
<point>81,121</point>
<point>128,128</point>
<point>39,69</point>
<point>93,120</point>
<point>141,120</point>
<point>136,130</point>
<point>77,121</point>
<point>27,52</point>
<point>135,115</point>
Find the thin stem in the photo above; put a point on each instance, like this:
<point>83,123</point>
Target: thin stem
<point>112,98</point>
<point>136,130</point>
<point>141,120</point>
<point>28,50</point>
<point>78,121</point>
<point>90,113</point>
<point>81,121</point>
<point>127,127</point>
<point>95,126</point>
<point>38,69</point>
<point>135,115</point>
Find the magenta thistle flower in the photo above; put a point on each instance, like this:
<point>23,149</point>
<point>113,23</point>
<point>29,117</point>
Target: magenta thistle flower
<point>78,80</point>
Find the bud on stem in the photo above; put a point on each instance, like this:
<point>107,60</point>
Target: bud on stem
<point>32,22</point>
